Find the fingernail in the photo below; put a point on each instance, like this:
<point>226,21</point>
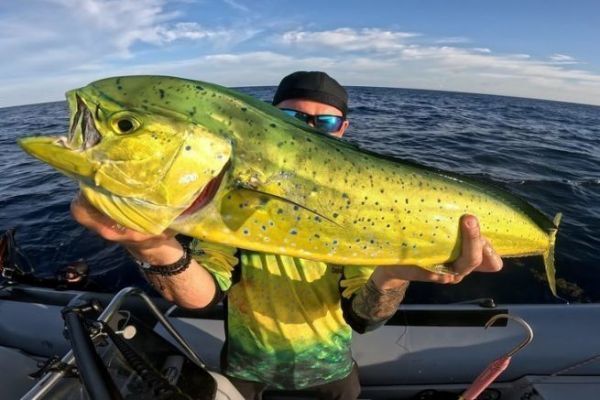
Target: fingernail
<point>471,223</point>
<point>488,250</point>
<point>118,227</point>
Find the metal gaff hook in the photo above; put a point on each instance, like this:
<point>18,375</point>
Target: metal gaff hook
<point>496,367</point>
<point>521,322</point>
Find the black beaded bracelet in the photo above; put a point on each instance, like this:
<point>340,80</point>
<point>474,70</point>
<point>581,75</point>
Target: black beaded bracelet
<point>170,269</point>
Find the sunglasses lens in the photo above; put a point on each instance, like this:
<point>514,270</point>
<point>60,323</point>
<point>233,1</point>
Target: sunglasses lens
<point>329,123</point>
<point>296,114</point>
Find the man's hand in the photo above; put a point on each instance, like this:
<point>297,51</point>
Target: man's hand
<point>476,254</point>
<point>91,218</point>
<point>193,288</point>
<point>157,249</point>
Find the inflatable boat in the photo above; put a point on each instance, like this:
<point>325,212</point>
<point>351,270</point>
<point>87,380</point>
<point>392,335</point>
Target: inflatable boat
<point>76,344</point>
<point>59,343</point>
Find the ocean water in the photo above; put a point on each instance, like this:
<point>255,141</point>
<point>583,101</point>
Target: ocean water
<point>546,152</point>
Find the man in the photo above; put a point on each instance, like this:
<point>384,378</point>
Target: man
<point>290,320</point>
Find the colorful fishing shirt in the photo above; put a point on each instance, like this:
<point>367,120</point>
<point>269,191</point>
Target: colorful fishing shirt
<point>285,325</point>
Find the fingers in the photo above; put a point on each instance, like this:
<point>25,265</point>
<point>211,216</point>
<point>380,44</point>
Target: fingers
<point>444,279</point>
<point>491,260</point>
<point>477,254</point>
<point>471,255</point>
<point>390,274</point>
<point>88,216</point>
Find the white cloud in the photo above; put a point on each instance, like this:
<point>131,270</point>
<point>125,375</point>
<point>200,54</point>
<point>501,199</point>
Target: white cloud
<point>63,55</point>
<point>452,40</point>
<point>236,5</point>
<point>520,67</point>
<point>54,35</point>
<point>458,68</point>
<point>563,59</point>
<point>188,30</point>
<point>347,39</point>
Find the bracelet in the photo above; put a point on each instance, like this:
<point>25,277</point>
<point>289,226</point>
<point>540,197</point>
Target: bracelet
<point>170,269</point>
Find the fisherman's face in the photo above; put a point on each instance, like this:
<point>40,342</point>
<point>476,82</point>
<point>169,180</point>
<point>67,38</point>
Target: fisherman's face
<point>315,108</point>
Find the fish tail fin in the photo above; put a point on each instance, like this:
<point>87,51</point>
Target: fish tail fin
<point>549,257</point>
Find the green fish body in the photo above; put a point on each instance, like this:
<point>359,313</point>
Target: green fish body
<point>156,152</point>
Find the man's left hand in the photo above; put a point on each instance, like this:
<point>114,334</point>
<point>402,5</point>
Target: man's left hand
<point>476,254</point>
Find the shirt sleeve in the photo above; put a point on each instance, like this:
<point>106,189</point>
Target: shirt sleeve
<point>219,260</point>
<point>353,278</point>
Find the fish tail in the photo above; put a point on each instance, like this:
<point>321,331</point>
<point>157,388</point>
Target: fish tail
<point>549,256</point>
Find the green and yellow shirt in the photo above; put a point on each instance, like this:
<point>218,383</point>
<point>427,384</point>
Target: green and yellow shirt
<point>285,325</point>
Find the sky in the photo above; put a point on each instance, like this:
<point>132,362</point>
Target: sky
<point>528,48</point>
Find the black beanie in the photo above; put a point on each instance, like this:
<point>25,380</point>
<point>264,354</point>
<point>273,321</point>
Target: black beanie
<point>312,85</point>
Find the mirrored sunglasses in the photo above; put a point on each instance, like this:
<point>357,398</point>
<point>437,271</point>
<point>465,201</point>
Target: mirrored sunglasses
<point>324,122</point>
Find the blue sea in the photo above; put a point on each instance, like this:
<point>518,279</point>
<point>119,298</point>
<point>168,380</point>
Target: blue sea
<point>546,152</point>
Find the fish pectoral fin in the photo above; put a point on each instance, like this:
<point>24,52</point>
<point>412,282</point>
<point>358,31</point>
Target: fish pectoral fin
<point>276,197</point>
<point>238,205</point>
<point>241,203</point>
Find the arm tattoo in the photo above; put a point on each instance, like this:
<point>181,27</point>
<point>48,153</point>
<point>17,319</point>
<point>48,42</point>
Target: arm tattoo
<point>374,304</point>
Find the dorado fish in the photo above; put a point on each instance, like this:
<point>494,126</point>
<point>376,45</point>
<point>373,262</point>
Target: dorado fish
<point>155,152</point>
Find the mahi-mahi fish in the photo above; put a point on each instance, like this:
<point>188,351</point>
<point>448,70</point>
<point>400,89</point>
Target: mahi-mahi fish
<point>155,152</point>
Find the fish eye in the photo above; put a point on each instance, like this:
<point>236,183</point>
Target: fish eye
<point>124,124</point>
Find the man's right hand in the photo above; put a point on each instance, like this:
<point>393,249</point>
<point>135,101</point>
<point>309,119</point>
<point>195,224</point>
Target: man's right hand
<point>156,249</point>
<point>88,216</point>
<point>193,288</point>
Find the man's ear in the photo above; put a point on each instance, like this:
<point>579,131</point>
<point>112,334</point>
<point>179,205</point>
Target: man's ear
<point>342,130</point>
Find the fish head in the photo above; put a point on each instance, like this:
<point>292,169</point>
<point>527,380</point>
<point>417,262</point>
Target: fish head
<point>140,159</point>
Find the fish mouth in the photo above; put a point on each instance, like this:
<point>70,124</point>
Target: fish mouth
<point>67,153</point>
<point>83,133</point>
<point>206,194</point>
